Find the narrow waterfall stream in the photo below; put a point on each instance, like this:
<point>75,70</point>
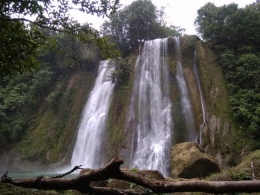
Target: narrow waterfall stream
<point>150,110</point>
<point>195,72</point>
<point>185,100</point>
<point>88,147</point>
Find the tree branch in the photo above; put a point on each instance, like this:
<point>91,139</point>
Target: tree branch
<point>40,24</point>
<point>69,172</point>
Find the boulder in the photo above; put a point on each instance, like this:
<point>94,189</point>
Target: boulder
<point>188,160</point>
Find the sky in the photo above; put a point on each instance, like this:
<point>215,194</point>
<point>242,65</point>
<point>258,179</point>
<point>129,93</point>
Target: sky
<point>179,12</point>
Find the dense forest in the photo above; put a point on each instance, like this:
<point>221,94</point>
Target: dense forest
<point>38,55</point>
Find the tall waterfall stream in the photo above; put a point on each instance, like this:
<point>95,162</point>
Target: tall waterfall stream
<point>88,147</point>
<point>150,109</point>
<point>203,107</point>
<point>185,99</point>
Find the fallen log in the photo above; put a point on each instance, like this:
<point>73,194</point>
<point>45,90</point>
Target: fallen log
<point>112,170</point>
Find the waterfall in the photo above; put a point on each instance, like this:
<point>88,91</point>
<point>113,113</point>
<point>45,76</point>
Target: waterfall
<point>149,114</point>
<point>195,72</point>
<point>185,100</point>
<point>89,143</point>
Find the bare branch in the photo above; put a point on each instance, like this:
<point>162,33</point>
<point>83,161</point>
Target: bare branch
<point>69,172</point>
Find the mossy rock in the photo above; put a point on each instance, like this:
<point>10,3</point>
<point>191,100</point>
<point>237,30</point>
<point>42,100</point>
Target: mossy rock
<point>188,160</point>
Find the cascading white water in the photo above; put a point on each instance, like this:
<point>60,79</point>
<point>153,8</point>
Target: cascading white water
<point>195,72</point>
<point>89,143</point>
<point>150,110</point>
<point>185,100</point>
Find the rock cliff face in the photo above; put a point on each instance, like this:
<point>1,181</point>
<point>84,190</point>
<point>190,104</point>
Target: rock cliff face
<point>217,137</point>
<point>217,131</point>
<point>50,139</point>
<point>214,129</point>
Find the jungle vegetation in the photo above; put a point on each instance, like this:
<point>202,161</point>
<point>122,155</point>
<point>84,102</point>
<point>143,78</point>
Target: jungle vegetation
<point>37,54</point>
<point>34,54</point>
<point>234,34</point>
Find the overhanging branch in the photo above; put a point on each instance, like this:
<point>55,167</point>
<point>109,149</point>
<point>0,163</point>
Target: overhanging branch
<point>40,24</point>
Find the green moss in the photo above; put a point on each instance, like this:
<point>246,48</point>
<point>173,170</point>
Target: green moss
<point>116,121</point>
<point>187,49</point>
<point>34,144</point>
<point>69,115</point>
<point>213,83</point>
<point>52,134</point>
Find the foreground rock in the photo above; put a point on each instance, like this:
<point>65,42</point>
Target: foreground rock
<point>188,160</point>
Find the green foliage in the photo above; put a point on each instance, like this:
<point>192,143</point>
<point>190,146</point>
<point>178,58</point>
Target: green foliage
<point>18,98</point>
<point>121,75</point>
<point>240,176</point>
<point>54,97</point>
<point>135,23</point>
<point>18,48</point>
<point>74,53</point>
<point>134,170</point>
<point>242,74</point>
<point>229,25</point>
<point>235,34</point>
<point>22,39</point>
<point>141,16</point>
<point>212,21</point>
<point>69,51</point>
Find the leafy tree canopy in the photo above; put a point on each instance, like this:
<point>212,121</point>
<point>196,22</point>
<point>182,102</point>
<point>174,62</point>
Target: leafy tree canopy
<point>21,37</point>
<point>235,27</point>
<point>139,21</point>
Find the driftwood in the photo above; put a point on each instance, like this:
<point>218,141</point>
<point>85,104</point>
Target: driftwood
<point>112,170</point>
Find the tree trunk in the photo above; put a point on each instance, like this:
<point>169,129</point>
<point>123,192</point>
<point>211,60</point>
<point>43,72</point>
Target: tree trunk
<point>112,170</point>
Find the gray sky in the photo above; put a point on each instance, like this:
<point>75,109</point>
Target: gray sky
<point>180,12</point>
